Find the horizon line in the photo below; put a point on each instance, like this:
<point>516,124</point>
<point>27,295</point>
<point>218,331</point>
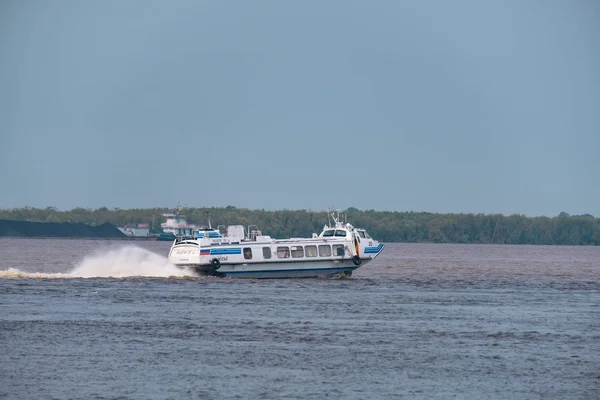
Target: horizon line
<point>112,209</point>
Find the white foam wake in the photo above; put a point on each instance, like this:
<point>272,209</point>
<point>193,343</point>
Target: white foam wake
<point>17,274</point>
<point>128,261</point>
<point>124,262</point>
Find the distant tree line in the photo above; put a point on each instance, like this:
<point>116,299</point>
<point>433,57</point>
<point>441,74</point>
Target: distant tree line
<point>385,226</point>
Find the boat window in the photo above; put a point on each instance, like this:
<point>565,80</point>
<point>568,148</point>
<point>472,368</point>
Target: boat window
<point>329,233</point>
<point>325,250</point>
<point>338,250</point>
<point>297,251</point>
<point>340,233</point>
<point>283,252</point>
<point>311,251</point>
<point>361,233</point>
<point>247,253</point>
<point>367,235</point>
<point>266,253</point>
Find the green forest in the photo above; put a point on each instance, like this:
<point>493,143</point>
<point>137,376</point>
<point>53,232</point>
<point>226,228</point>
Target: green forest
<point>386,226</point>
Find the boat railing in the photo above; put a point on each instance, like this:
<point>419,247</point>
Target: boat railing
<point>332,239</point>
<point>185,239</point>
<point>253,233</point>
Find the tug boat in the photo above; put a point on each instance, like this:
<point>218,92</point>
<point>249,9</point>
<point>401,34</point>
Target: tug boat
<point>175,226</point>
<point>240,252</point>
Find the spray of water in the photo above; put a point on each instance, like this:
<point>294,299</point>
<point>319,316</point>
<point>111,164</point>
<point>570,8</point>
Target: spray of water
<point>128,261</point>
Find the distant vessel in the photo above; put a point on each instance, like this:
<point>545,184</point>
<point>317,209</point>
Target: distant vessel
<point>175,226</point>
<point>247,253</point>
<point>135,230</point>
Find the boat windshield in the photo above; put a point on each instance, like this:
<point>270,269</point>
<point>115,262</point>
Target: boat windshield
<point>334,232</point>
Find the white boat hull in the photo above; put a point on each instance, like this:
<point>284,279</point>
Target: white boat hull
<point>270,270</point>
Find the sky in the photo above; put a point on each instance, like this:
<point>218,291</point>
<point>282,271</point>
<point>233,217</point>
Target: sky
<point>463,106</point>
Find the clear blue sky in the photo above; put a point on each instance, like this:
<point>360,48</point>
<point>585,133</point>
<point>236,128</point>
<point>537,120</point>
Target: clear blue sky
<point>440,106</point>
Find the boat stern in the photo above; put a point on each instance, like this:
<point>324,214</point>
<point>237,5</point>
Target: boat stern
<point>184,254</point>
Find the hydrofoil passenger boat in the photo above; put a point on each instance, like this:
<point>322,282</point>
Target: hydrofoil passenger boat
<point>240,252</point>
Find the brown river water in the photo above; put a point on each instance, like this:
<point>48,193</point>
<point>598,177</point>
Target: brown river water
<point>95,319</point>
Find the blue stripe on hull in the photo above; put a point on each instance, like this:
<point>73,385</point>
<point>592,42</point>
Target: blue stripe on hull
<point>373,250</point>
<point>221,252</point>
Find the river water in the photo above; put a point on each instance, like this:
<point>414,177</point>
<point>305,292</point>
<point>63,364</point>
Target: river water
<point>90,319</point>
